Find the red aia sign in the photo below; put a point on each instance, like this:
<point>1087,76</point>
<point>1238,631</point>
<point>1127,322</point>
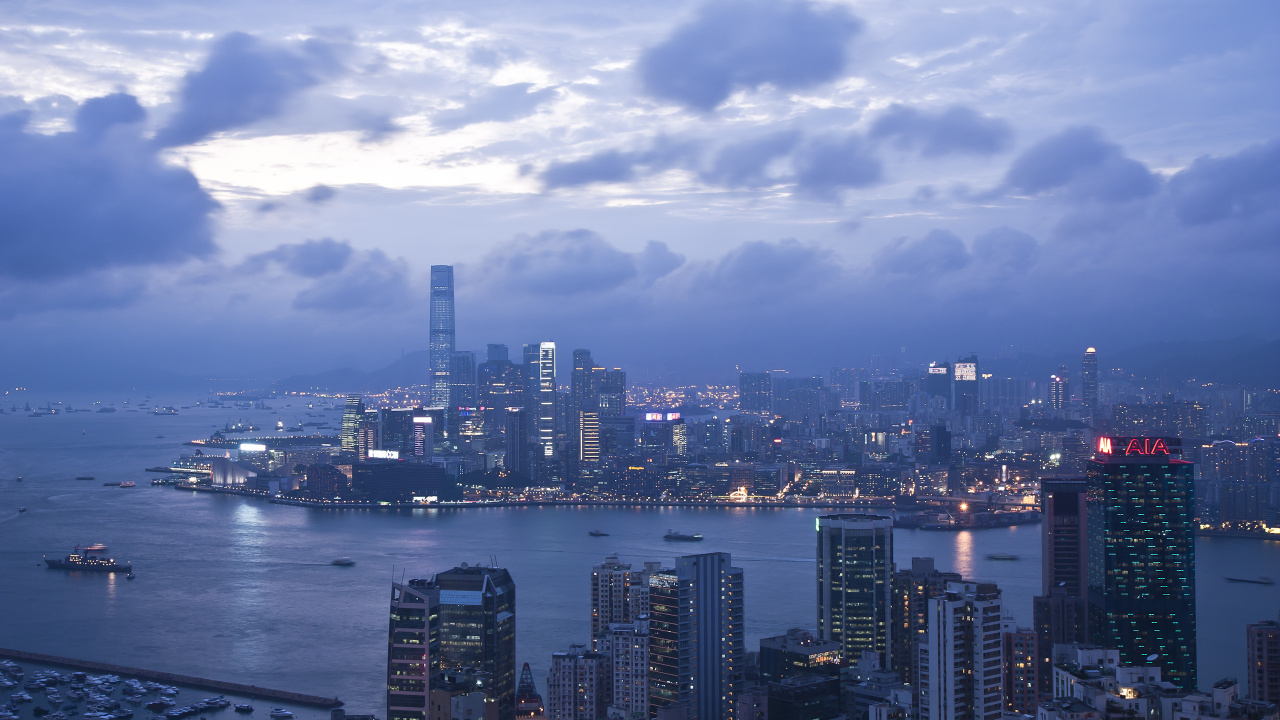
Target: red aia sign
<point>1134,446</point>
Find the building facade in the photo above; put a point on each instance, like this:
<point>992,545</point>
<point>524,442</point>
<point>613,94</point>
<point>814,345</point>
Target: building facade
<point>855,569</point>
<point>962,656</point>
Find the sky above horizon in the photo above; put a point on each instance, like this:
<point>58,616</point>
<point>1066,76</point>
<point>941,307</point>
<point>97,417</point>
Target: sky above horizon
<point>259,189</point>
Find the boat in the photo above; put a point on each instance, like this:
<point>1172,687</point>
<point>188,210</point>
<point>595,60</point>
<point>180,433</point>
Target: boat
<point>96,547</point>
<point>85,561</point>
<point>244,708</point>
<point>84,477</point>
<point>22,509</point>
<point>1252,581</point>
<point>128,483</point>
<point>681,537</point>
<point>1003,556</point>
<point>130,576</point>
<point>280,714</point>
<point>343,562</point>
<point>598,533</point>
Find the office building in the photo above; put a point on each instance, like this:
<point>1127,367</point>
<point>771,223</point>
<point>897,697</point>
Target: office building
<point>855,567</point>
<point>962,656</point>
<point>613,393</point>
<point>588,440</point>
<point>442,333</point>
<point>806,697</point>
<point>1060,610</point>
<point>584,388</point>
<point>696,648</point>
<point>755,393</point>
<point>462,379</point>
<point>798,653</point>
<point>1089,383</point>
<point>352,413</point>
<point>626,645</point>
<point>1262,661</point>
<point>1141,550</point>
<point>618,593</point>
<point>541,376</point>
<point>579,685</point>
<point>472,627</point>
<point>397,481</point>
<point>398,430</point>
<point>966,386</point>
<point>501,386</point>
<point>937,382</point>
<point>912,589</point>
<point>462,694</point>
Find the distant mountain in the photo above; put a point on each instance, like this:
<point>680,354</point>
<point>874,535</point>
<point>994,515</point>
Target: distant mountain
<point>412,369</point>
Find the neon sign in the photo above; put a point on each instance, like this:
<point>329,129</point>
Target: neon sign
<point>1104,445</point>
<point>1133,446</point>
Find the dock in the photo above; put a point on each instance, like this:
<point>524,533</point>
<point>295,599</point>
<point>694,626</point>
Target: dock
<point>174,679</point>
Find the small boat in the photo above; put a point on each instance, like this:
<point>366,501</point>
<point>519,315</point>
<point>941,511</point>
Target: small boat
<point>1003,556</point>
<point>22,509</point>
<point>244,708</point>
<point>598,533</point>
<point>1252,581</point>
<point>84,477</point>
<point>343,562</point>
<point>130,576</point>
<point>681,537</point>
<point>128,484</point>
<point>19,478</point>
<point>280,714</point>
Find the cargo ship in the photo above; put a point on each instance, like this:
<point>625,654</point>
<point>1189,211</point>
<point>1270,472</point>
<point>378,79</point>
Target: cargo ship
<point>681,537</point>
<point>84,561</point>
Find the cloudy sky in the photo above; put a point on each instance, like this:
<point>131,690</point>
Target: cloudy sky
<point>259,188</point>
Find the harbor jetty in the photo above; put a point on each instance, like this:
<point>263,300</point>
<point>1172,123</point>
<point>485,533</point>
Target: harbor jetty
<point>168,678</point>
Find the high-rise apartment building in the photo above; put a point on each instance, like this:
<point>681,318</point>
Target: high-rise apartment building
<point>962,656</point>
<point>441,345</point>
<point>1262,661</point>
<point>1059,391</point>
<point>1141,550</point>
<point>912,590</point>
<point>618,593</point>
<point>352,414</point>
<point>626,645</point>
<point>470,624</point>
<point>855,568</point>
<point>697,655</point>
<point>755,393</point>
<point>1021,669</point>
<point>1089,383</point>
<point>1061,608</point>
<point>579,685</point>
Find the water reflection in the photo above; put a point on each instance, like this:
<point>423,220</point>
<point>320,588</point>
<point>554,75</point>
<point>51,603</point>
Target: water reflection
<point>964,554</point>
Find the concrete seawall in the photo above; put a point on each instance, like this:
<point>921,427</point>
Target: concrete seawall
<point>174,679</point>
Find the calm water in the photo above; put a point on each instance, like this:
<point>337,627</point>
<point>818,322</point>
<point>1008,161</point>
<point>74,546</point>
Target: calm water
<point>242,590</point>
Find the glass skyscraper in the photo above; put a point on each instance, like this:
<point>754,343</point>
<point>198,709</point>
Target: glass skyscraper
<point>1141,554</point>
<point>855,581</point>
<point>442,332</point>
<point>1089,382</point>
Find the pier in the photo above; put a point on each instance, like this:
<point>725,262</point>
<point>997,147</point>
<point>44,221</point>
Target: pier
<point>252,691</point>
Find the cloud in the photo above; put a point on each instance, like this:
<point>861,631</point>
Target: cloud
<point>310,259</point>
<point>956,129</point>
<point>745,164</point>
<point>501,103</point>
<point>827,165</point>
<point>762,267</point>
<point>372,282</point>
<point>243,81</point>
<point>1213,189</point>
<point>1006,249</point>
<point>1080,163</point>
<point>320,194</point>
<point>744,44</point>
<point>95,198</point>
<point>573,262</point>
<point>610,166</point>
<point>934,254</point>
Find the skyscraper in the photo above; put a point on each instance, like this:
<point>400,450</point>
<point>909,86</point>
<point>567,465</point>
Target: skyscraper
<point>579,685</point>
<point>1141,550</point>
<point>473,611</point>
<point>938,381</point>
<point>584,388</point>
<point>966,386</point>
<point>912,590</point>
<point>1061,608</point>
<point>1089,382</point>
<point>755,393</point>
<point>962,656</point>
<point>618,593</point>
<point>697,655</point>
<point>1059,390</point>
<point>613,393</point>
<point>855,567</point>
<point>352,414</point>
<point>442,332</point>
<point>545,409</point>
<point>626,645</point>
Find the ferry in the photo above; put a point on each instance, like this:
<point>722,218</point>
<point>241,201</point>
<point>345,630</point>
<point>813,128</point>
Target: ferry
<point>681,537</point>
<point>598,533</point>
<point>85,561</point>
<point>128,483</point>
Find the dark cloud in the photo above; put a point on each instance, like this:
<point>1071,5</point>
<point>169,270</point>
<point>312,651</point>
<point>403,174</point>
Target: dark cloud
<point>957,129</point>
<point>761,267</point>
<point>745,164</point>
<point>1006,249</point>
<point>828,165</point>
<point>555,262</point>
<point>95,198</point>
<point>744,44</point>
<point>372,281</point>
<point>111,289</point>
<point>620,166</point>
<point>1080,163</point>
<point>243,81</point>
<point>934,254</point>
<point>309,259</point>
<point>501,103</point>
<point>320,194</point>
<point>1213,189</point>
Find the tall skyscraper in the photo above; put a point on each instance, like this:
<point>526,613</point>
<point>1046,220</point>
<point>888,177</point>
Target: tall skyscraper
<point>855,568</point>
<point>755,393</point>
<point>912,590</point>
<point>962,656</point>
<point>584,388</point>
<point>1059,390</point>
<point>613,393</point>
<point>1061,608</point>
<point>938,382</point>
<point>966,386</point>
<point>471,623</point>
<point>1089,382</point>
<point>1262,660</point>
<point>618,593</point>
<point>697,655</point>
<point>544,384</point>
<point>462,379</point>
<point>1141,547</point>
<point>442,332</point>
<point>352,414</point>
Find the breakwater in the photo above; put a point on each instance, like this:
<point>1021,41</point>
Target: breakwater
<point>168,678</point>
